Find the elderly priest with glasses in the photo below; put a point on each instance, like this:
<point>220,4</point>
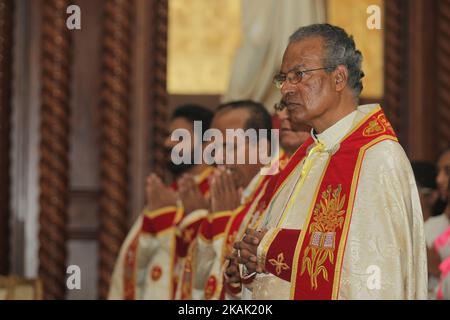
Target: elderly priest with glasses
<point>345,221</point>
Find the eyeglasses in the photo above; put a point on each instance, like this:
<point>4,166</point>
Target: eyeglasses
<point>293,76</point>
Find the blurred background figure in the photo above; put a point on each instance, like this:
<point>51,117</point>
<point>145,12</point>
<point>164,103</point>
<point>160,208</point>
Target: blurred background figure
<point>442,179</point>
<point>439,222</point>
<point>183,117</point>
<point>442,246</point>
<point>147,253</point>
<point>425,174</point>
<point>291,135</point>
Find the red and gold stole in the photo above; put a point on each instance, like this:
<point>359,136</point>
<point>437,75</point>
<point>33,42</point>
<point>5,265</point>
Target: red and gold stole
<point>268,186</point>
<point>288,165</point>
<point>226,225</point>
<point>217,225</point>
<point>188,225</point>
<point>232,227</point>
<point>272,186</point>
<point>155,222</point>
<point>188,228</point>
<point>319,252</point>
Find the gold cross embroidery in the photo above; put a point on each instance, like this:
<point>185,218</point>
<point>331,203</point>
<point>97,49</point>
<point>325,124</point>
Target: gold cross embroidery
<point>279,264</point>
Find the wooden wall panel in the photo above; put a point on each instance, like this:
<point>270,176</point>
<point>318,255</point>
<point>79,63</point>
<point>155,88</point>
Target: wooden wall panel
<point>87,139</point>
<point>417,74</point>
<point>395,65</point>
<point>421,95</point>
<point>442,83</point>
<point>115,126</point>
<point>6,45</point>
<point>86,84</point>
<point>84,142</point>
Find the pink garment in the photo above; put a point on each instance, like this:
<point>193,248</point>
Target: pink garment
<point>442,240</point>
<point>444,267</point>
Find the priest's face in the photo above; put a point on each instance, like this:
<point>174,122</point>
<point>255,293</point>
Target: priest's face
<point>236,119</point>
<point>309,100</point>
<point>169,145</point>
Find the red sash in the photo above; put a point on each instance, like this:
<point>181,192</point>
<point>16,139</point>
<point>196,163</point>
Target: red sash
<point>320,249</point>
<point>185,241</point>
<point>232,223</point>
<point>275,181</point>
<point>268,186</point>
<point>228,225</point>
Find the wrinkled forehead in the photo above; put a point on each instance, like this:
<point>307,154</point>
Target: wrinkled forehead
<point>305,53</point>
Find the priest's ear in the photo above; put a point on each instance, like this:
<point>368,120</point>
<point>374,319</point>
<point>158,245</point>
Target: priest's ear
<point>340,77</point>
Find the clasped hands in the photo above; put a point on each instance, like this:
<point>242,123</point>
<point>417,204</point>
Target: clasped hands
<point>224,195</point>
<point>159,195</point>
<point>245,253</point>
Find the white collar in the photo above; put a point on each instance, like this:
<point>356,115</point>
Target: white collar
<point>331,136</point>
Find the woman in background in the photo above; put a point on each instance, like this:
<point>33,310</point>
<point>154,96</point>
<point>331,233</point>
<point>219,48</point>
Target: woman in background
<point>425,175</point>
<point>436,225</point>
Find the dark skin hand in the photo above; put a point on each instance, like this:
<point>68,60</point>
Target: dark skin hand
<point>190,194</point>
<point>248,250</point>
<point>224,194</point>
<point>159,195</point>
<point>232,270</point>
<point>433,260</point>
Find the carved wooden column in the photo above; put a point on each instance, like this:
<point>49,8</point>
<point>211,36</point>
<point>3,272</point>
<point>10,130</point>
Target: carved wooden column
<point>115,109</point>
<point>443,75</point>
<point>6,45</point>
<point>158,99</point>
<point>54,148</point>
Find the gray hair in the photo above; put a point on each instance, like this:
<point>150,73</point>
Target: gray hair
<point>340,49</point>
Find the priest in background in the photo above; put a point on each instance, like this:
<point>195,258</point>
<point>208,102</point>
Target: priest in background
<point>436,225</point>
<point>233,186</point>
<point>145,266</point>
<point>226,223</point>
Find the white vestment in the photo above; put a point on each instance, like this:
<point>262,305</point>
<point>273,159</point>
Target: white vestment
<point>386,238</point>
